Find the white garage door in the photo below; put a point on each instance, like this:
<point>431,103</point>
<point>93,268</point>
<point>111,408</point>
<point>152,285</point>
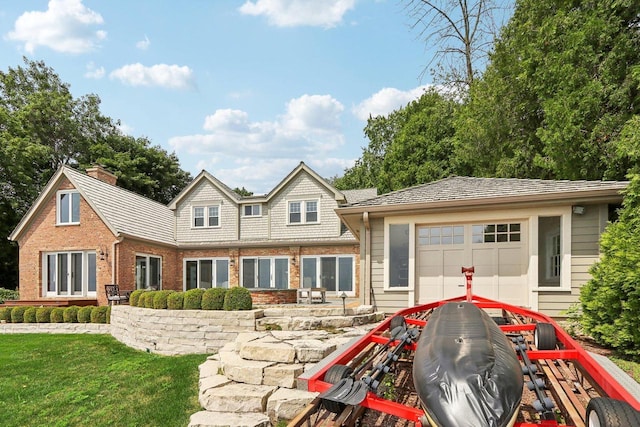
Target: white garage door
<point>496,250</point>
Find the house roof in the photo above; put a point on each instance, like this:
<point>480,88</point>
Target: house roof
<point>204,175</point>
<point>125,213</point>
<point>490,190</point>
<point>356,196</point>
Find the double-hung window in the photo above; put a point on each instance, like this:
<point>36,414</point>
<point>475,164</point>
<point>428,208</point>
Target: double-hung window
<point>206,216</point>
<point>303,212</point>
<point>68,205</point>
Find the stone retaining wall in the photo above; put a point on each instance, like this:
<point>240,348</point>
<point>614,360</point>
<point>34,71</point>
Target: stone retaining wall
<point>172,332</point>
<point>54,328</point>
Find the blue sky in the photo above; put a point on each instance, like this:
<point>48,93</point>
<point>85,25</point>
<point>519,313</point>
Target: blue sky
<point>243,89</point>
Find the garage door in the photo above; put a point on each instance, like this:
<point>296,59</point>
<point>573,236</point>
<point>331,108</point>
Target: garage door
<point>496,250</point>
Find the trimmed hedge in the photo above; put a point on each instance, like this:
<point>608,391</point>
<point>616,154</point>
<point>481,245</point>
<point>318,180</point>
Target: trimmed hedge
<point>17,314</point>
<point>5,314</point>
<point>238,298</point>
<point>57,315</point>
<point>193,299</point>
<point>141,299</point>
<point>175,301</point>
<point>213,299</point>
<point>43,314</point>
<point>30,315</point>
<point>160,299</point>
<point>100,314</point>
<point>134,296</point>
<point>84,314</point>
<point>70,314</point>
<point>148,299</point>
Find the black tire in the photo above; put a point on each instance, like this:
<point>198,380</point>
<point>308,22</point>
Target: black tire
<point>333,376</point>
<point>606,412</point>
<point>545,336</point>
<point>397,321</point>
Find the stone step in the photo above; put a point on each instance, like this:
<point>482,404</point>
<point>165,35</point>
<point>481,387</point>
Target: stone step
<point>238,398</point>
<point>286,311</point>
<point>286,404</point>
<point>291,323</point>
<point>242,370</point>
<point>228,419</point>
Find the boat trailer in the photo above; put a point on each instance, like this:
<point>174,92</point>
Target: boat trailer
<point>565,386</point>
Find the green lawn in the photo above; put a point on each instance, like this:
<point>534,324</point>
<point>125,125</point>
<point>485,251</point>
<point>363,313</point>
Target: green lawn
<point>93,380</point>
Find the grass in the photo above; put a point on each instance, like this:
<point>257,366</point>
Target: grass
<point>82,380</point>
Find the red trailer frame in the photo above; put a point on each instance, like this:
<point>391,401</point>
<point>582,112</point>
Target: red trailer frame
<point>568,349</point>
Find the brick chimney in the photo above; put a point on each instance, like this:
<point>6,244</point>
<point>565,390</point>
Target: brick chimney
<point>99,172</point>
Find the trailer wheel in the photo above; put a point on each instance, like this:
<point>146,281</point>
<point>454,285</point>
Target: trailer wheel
<point>334,375</point>
<point>545,336</point>
<point>606,412</point>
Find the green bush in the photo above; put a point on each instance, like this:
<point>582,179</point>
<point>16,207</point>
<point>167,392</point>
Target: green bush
<point>99,314</point>
<point>30,315</point>
<point>134,296</point>
<point>238,298</point>
<point>5,314</point>
<point>84,314</point>
<point>8,294</point>
<point>17,314</point>
<point>57,315</point>
<point>109,315</point>
<point>175,301</point>
<point>160,299</point>
<point>213,299</point>
<point>43,314</point>
<point>148,299</point>
<point>193,299</point>
<point>141,299</point>
<point>70,314</point>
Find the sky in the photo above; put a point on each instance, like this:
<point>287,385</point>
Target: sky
<point>243,89</point>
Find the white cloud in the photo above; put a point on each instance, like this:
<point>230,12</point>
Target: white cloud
<point>293,13</point>
<point>261,153</point>
<point>94,72</point>
<point>66,26</point>
<point>144,44</point>
<point>386,101</point>
<point>163,75</point>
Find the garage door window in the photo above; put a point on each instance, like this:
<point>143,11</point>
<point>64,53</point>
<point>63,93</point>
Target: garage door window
<point>496,233</point>
<point>441,235</point>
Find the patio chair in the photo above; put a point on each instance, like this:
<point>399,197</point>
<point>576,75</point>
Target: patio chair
<point>114,296</point>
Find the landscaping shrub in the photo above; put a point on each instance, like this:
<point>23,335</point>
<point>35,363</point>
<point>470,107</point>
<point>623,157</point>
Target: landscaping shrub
<point>135,295</point>
<point>160,299</point>
<point>148,299</point>
<point>57,315</point>
<point>17,314</point>
<point>5,314</point>
<point>99,314</point>
<point>193,299</point>
<point>30,315</point>
<point>141,299</point>
<point>238,298</point>
<point>43,314</point>
<point>70,314</point>
<point>175,301</point>
<point>84,314</point>
<point>8,294</point>
<point>109,315</point>
<point>213,299</point>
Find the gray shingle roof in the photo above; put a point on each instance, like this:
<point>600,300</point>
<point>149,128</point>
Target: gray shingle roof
<point>468,188</point>
<point>124,211</point>
<point>355,196</point>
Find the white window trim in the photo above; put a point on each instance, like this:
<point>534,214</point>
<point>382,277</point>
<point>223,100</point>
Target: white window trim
<point>148,256</point>
<point>85,275</point>
<point>252,215</point>
<point>303,211</point>
<point>272,267</point>
<point>206,216</point>
<point>412,256</point>
<point>58,197</point>
<point>565,250</point>
<point>213,260</point>
<point>336,256</point>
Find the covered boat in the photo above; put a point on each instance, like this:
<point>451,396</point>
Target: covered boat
<point>465,369</point>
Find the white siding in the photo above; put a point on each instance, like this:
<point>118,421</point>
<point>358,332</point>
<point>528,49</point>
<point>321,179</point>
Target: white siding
<point>207,194</point>
<point>255,227</point>
<point>304,187</point>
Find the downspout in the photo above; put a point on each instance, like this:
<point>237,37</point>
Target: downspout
<point>367,259</point>
<point>114,258</point>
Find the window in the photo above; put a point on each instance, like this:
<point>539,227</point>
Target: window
<point>68,207</point>
<point>495,233</point>
<point>335,273</point>
<point>148,272</point>
<point>206,273</point>
<point>310,209</point>
<point>69,273</point>
<point>265,273</point>
<point>441,235</point>
<point>549,251</point>
<point>398,255</point>
<point>252,210</point>
<point>211,219</point>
